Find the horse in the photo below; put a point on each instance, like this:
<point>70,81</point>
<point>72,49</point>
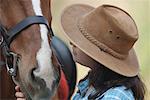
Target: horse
<point>25,47</point>
<point>32,73</point>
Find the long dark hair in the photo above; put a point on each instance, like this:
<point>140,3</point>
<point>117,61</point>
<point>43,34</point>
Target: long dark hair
<point>103,79</point>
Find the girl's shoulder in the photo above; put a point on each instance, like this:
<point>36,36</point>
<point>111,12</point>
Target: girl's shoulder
<point>117,93</point>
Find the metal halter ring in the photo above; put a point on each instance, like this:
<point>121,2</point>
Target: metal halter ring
<point>12,69</point>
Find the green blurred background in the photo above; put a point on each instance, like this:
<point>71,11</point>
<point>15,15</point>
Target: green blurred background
<point>138,9</point>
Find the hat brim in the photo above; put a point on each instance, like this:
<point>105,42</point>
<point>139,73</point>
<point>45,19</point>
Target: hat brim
<point>127,67</point>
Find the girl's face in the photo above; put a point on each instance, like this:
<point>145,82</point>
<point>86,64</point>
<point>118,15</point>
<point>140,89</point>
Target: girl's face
<point>82,58</point>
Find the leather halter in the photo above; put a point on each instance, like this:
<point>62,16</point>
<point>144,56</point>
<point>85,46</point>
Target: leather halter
<point>6,37</point>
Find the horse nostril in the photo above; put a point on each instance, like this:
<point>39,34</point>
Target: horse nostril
<point>44,82</point>
<point>35,80</point>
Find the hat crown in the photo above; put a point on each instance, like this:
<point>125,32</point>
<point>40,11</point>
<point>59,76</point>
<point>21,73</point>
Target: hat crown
<point>111,27</point>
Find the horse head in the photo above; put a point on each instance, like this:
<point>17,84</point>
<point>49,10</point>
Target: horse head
<point>25,47</point>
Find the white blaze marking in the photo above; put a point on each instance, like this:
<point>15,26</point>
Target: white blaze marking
<point>45,70</point>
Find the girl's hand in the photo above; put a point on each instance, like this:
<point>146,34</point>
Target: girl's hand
<point>19,94</point>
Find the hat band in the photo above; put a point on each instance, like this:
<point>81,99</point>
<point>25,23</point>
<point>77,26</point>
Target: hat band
<point>100,45</point>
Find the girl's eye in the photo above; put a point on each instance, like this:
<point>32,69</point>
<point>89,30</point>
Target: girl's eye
<point>72,44</point>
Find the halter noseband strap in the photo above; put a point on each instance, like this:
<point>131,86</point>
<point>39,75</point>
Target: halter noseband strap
<point>25,24</point>
<point>8,36</point>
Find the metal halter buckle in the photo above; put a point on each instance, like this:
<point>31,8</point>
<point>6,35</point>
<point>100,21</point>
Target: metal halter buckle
<point>12,69</point>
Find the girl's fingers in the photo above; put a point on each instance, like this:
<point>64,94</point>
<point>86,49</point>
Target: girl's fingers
<point>19,95</point>
<point>21,99</point>
<point>17,88</point>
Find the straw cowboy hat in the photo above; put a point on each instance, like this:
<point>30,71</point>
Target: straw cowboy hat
<point>106,33</point>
